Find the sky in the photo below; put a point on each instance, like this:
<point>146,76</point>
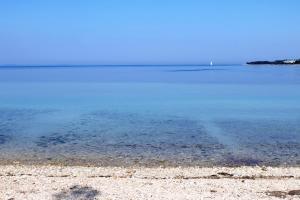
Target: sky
<point>35,32</point>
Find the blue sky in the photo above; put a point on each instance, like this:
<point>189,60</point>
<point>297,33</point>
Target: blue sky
<point>147,31</point>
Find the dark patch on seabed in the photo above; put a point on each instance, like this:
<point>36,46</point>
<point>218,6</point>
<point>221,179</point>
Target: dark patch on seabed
<point>55,139</point>
<point>10,122</point>
<point>4,139</point>
<point>77,192</point>
<point>232,160</point>
<point>122,139</point>
<point>130,139</point>
<point>272,142</point>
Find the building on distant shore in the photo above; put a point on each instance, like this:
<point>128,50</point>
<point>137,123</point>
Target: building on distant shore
<point>289,61</point>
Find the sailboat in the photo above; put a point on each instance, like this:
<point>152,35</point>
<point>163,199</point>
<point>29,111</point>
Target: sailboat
<point>211,63</point>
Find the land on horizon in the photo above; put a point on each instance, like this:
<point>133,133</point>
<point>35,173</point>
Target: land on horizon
<point>276,62</point>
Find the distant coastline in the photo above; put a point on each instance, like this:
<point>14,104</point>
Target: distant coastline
<point>276,62</point>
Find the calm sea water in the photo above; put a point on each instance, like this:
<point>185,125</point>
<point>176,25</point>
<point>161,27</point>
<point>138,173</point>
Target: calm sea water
<point>150,115</point>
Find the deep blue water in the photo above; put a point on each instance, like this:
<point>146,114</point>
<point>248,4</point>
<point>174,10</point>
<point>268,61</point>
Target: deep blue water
<point>151,115</point>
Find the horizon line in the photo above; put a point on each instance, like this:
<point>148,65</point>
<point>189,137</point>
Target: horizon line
<point>107,65</point>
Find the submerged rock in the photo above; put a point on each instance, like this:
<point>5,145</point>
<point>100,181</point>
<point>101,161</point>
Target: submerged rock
<point>4,139</point>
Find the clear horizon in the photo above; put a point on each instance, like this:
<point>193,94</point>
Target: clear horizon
<point>157,64</point>
<point>148,32</point>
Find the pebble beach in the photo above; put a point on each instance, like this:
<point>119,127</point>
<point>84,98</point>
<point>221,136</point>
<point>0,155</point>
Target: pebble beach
<point>78,182</point>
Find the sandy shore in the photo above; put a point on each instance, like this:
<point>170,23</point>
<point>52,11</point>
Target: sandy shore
<point>55,182</point>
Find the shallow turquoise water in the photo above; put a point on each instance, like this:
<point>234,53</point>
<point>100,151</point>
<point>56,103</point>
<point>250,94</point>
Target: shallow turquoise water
<point>147,115</point>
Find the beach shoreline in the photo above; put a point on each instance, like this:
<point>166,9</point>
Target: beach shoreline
<point>75,182</point>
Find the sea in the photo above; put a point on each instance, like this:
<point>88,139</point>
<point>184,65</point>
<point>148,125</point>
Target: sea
<point>184,115</point>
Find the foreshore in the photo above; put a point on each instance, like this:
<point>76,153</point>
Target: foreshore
<point>77,182</point>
